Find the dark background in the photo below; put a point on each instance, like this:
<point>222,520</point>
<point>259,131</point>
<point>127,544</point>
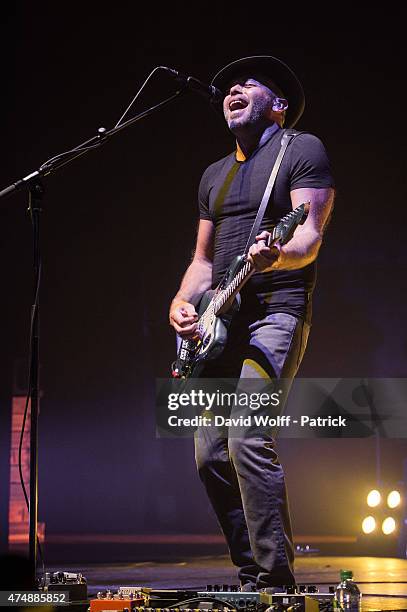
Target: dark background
<point>118,229</point>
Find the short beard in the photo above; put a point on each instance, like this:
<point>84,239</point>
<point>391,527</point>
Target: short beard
<point>256,119</point>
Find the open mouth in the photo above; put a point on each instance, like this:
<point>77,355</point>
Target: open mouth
<point>237,104</point>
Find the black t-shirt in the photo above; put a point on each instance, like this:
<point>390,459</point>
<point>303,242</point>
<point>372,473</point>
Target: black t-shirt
<point>229,195</point>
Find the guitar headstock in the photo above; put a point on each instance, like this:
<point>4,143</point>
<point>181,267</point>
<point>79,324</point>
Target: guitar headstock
<point>285,228</point>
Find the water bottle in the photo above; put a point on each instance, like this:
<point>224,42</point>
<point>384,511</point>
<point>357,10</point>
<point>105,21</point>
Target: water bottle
<point>347,595</point>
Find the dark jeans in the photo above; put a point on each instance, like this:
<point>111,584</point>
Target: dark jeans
<point>243,476</point>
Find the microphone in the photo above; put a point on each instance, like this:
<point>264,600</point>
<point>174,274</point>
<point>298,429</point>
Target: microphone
<point>207,91</point>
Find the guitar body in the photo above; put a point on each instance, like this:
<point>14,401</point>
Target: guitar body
<point>215,335</point>
<point>213,327</point>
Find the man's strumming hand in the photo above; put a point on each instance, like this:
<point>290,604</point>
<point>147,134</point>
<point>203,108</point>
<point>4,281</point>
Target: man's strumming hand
<point>183,318</point>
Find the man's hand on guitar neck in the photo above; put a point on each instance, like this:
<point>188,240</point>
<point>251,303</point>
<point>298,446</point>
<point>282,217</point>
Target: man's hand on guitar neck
<point>183,318</point>
<point>262,256</point>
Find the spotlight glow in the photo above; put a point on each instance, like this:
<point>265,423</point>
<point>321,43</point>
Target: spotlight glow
<point>369,524</point>
<point>388,525</point>
<point>374,498</point>
<point>393,499</point>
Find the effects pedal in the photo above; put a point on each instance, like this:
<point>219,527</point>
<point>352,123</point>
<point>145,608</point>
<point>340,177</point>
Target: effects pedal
<point>304,598</point>
<point>126,599</point>
<point>288,601</point>
<point>231,595</point>
<point>74,584</point>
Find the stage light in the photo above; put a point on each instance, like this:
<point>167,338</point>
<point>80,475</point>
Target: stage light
<point>388,525</point>
<point>393,499</point>
<point>374,498</point>
<point>369,524</point>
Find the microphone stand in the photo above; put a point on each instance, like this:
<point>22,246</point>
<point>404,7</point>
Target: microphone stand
<point>32,182</point>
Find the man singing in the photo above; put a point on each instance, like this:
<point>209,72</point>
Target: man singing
<point>243,476</point>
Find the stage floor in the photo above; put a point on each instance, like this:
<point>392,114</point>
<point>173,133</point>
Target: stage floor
<point>383,581</point>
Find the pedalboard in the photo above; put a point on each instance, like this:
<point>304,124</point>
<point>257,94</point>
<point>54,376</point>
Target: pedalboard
<point>216,598</point>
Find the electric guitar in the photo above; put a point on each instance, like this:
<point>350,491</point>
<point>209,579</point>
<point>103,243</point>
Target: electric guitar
<point>218,306</point>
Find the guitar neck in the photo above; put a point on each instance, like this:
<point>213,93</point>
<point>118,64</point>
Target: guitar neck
<point>281,233</point>
<point>225,296</point>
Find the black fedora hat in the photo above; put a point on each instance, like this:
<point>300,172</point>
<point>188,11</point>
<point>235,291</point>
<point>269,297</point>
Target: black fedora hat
<point>276,71</point>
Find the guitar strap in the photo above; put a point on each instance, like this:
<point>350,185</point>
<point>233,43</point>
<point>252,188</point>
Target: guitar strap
<point>288,137</point>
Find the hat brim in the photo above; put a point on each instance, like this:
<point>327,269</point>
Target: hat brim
<point>277,71</point>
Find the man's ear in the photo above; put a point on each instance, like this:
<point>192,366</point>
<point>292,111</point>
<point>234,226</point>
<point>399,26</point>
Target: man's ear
<point>279,104</point>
